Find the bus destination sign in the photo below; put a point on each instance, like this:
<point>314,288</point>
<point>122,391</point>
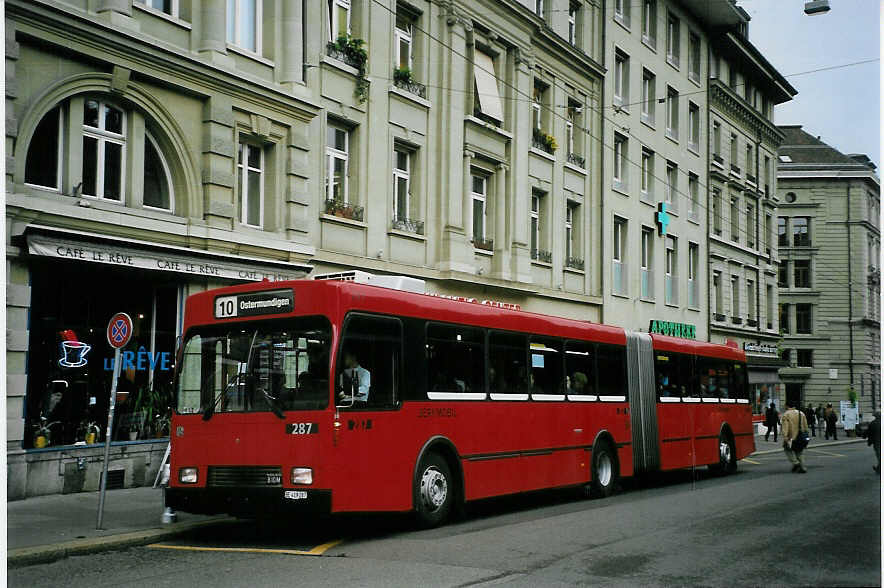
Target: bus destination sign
<point>254,304</point>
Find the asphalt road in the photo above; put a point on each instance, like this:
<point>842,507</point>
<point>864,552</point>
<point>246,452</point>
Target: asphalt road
<point>762,525</point>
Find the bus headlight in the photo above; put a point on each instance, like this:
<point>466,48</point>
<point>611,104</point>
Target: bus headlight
<point>302,475</point>
<point>187,475</point>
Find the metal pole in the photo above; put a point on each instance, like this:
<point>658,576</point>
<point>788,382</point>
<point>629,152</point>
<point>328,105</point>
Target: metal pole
<point>107,436</point>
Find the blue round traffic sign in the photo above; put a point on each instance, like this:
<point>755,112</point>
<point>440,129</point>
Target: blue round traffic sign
<point>119,330</point>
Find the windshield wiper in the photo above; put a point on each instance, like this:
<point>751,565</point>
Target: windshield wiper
<point>273,402</point>
<point>209,411</point>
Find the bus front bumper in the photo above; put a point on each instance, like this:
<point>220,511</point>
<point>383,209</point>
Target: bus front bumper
<point>249,502</point>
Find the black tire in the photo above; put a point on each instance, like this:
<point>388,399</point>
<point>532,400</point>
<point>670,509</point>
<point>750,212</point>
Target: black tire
<point>727,455</point>
<point>434,491</point>
<point>604,470</point>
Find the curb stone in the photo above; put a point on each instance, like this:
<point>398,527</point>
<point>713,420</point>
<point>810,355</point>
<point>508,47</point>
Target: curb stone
<point>811,446</point>
<point>27,556</point>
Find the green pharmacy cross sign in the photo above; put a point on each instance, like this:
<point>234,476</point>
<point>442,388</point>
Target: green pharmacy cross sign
<point>682,330</point>
<point>662,218</point>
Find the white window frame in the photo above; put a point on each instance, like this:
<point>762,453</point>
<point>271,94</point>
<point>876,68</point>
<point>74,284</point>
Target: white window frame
<point>103,137</point>
<point>672,113</point>
<point>649,82</point>
<point>60,140</point>
<point>647,183</point>
<point>400,35</point>
<point>537,105</point>
<point>673,40</point>
<point>621,79</point>
<point>332,154</point>
<point>694,57</point>
<point>735,295</point>
<point>538,8</point>
<point>148,5</point>
<point>237,32</point>
<point>170,187</point>
<point>621,11</point>
<point>649,22</point>
<point>334,27</point>
<point>735,219</point>
<point>693,269</point>
<point>620,155</point>
<point>479,197</point>
<point>572,23</point>
<point>401,174</point>
<point>670,270</point>
<point>244,195</point>
<point>693,127</point>
<point>569,229</point>
<point>670,194</point>
<point>694,196</point>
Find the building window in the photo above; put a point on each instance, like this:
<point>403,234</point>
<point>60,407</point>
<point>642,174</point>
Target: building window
<point>402,38</point>
<point>671,113</point>
<point>647,173</point>
<point>735,296</point>
<point>538,99</point>
<point>570,237</point>
<point>621,79</point>
<point>805,357</point>
<point>244,24</point>
<point>337,154</point>
<point>734,165</point>
<point>169,7</point>
<point>571,140</point>
<point>716,295</point>
<point>749,163</point>
<point>714,66</point>
<point>671,262</point>
<point>538,8</point>
<point>673,40</point>
<point>647,264</point>
<point>649,100</point>
<point>801,231</point>
<point>783,274</point>
<point>338,19</point>
<point>104,145</point>
<point>694,125</point>
<point>537,200</point>
<point>769,302</point>
<point>620,157</point>
<point>735,219</point>
<point>803,319</point>
<point>622,9</point>
<point>782,232</point>
<point>732,76</point>
<point>479,198</point>
<point>784,318</point>
<point>43,162</point>
<point>716,142</point>
<point>401,185</point>
<point>693,275</point>
<point>649,22</point>
<point>618,269</point>
<point>157,179</point>
<point>670,196</point>
<point>250,182</point>
<point>487,94</point>
<point>787,357</point>
<point>716,211</point>
<point>694,192</point>
<point>694,57</point>
<point>767,225</point>
<point>750,299</point>
<point>802,273</point>
<point>573,8</point>
<point>750,225</point>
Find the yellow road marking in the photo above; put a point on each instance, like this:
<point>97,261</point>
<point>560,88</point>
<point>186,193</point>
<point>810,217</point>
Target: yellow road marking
<point>833,454</point>
<point>319,550</point>
<point>751,461</point>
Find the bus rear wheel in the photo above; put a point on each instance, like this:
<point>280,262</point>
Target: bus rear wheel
<point>604,470</point>
<point>727,455</point>
<point>434,491</point>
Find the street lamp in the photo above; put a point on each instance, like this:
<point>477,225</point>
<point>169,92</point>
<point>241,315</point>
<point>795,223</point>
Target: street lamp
<point>816,7</point>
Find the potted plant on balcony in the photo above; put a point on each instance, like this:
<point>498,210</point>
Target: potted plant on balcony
<point>354,51</point>
<point>403,75</point>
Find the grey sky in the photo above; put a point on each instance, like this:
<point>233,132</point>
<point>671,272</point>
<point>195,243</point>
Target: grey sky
<point>842,106</point>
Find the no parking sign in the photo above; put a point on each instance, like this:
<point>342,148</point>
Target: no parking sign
<point>119,330</point>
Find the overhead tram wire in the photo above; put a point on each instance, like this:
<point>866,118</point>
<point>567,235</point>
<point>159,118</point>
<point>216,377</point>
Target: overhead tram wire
<point>587,132</point>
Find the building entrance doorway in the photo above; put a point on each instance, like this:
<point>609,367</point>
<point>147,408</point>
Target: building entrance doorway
<point>794,394</point>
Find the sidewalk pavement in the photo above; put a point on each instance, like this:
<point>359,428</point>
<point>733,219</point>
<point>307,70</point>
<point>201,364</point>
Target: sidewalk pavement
<point>46,528</point>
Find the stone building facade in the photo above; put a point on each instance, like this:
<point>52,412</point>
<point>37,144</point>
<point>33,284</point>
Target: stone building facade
<point>829,237</point>
<point>159,148</point>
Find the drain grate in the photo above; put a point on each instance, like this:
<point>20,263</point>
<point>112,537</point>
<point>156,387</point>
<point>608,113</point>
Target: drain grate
<point>115,479</point>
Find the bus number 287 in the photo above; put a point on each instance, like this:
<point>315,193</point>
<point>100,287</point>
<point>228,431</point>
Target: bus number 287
<point>301,428</point>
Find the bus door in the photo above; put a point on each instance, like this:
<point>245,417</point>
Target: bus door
<point>642,402</point>
<point>371,472</point>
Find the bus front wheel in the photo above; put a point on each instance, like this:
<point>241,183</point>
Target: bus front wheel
<point>435,492</point>
<point>727,455</point>
<point>604,470</point>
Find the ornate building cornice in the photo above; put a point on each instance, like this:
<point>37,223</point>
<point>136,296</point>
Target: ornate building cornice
<point>724,99</point>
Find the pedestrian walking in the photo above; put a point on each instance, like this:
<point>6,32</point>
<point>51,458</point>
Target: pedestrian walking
<point>873,437</point>
<point>811,418</point>
<point>771,420</point>
<point>794,422</point>
<point>831,418</point>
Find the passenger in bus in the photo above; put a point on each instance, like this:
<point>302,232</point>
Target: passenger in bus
<point>498,383</point>
<point>357,379</point>
<point>578,383</point>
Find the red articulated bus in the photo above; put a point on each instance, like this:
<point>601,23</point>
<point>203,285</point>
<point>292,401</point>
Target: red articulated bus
<point>342,396</point>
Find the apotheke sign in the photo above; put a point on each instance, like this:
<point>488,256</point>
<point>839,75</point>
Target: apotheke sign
<point>153,260</point>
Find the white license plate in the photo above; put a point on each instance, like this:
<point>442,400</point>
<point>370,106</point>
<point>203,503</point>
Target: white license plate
<point>296,494</point>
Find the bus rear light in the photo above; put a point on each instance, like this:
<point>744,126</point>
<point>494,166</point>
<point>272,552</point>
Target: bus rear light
<point>302,475</point>
<point>188,475</point>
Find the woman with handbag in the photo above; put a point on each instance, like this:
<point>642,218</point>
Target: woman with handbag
<point>795,436</point>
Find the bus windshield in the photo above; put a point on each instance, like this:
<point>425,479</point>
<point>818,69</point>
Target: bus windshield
<point>256,367</point>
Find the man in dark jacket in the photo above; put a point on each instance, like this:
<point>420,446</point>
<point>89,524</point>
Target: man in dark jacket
<point>771,420</point>
<point>811,418</point>
<point>873,437</point>
<point>831,418</point>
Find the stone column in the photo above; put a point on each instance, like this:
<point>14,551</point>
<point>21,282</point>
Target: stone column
<point>519,189</point>
<point>291,68</point>
<point>213,33</point>
<point>117,12</point>
<point>500,263</point>
<point>219,152</point>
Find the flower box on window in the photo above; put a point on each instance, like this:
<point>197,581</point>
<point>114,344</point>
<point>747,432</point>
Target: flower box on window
<point>408,225</point>
<point>344,210</point>
<point>541,255</point>
<point>404,79</point>
<point>577,160</point>
<point>544,142</point>
<point>483,244</point>
<point>574,263</point>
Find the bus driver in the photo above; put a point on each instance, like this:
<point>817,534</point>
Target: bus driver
<point>357,379</point>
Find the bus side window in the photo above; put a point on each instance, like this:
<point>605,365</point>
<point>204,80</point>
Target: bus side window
<point>739,388</point>
<point>546,366</point>
<point>369,362</point>
<point>508,363</point>
<point>580,377</point>
<point>612,382</point>
<point>666,366</point>
<point>688,376</point>
<point>455,359</point>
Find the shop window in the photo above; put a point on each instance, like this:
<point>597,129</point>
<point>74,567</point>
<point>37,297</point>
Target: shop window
<point>580,370</point>
<point>369,363</point>
<point>455,362</point>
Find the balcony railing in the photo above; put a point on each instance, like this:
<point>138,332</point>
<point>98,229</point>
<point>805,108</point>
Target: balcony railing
<point>332,51</point>
<point>541,255</point>
<point>412,87</point>
<point>409,225</point>
<point>718,317</point>
<point>574,263</point>
<point>483,244</point>
<point>751,323</point>
<point>575,159</point>
<point>737,320</point>
<point>344,210</point>
<point>735,169</point>
<point>542,141</point>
